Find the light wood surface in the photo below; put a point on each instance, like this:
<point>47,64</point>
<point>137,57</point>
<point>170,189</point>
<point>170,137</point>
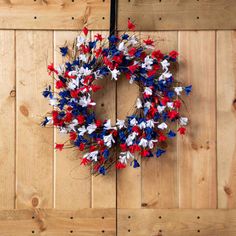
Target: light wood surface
<point>7,119</point>
<point>226,118</point>
<point>197,150</point>
<point>176,222</point>
<point>53,14</point>
<point>34,145</point>
<point>177,15</point>
<point>85,222</point>
<point>34,176</point>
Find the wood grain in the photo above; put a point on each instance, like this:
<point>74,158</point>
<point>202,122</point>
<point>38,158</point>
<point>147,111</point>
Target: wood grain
<point>7,119</point>
<point>85,222</point>
<point>197,150</point>
<point>34,145</point>
<point>53,14</point>
<point>177,15</point>
<point>72,180</point>
<point>176,222</point>
<point>226,114</point>
<point>104,187</point>
<point>159,175</point>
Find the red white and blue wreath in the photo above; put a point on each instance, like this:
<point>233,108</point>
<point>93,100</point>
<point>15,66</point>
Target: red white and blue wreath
<point>146,131</point>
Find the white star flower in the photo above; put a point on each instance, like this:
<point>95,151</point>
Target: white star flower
<point>170,105</point>
<point>124,156</point>
<point>71,85</point>
<point>108,126</point>
<point>178,90</point>
<point>150,123</point>
<point>150,143</point>
<point>147,104</point>
<point>142,125</point>
<point>167,74</point>
<point>139,103</point>
<point>53,102</point>
<point>73,124</point>
<point>143,143</point>
<point>84,71</point>
<point>108,140</point>
<point>130,138</point>
<point>122,47</point>
<point>165,64</point>
<point>92,155</point>
<point>133,40</point>
<point>80,40</point>
<point>161,108</point>
<point>148,61</point>
<point>147,91</point>
<point>133,122</point>
<point>120,124</point>
<point>82,130</point>
<point>83,58</point>
<point>91,128</point>
<point>183,120</point>
<point>114,74</point>
<point>85,101</point>
<point>162,126</point>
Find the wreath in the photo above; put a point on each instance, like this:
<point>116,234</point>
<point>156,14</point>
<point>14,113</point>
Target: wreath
<point>146,130</point>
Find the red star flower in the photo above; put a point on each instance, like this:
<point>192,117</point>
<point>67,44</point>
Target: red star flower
<point>81,147</point>
<point>85,31</point>
<point>182,130</point>
<point>173,54</point>
<point>123,147</point>
<point>131,26</point>
<point>98,37</point>
<point>177,104</point>
<point>80,119</point>
<point>60,84</point>
<point>85,161</point>
<point>172,114</point>
<point>59,146</point>
<point>73,136</point>
<point>148,42</point>
<point>120,165</point>
<point>158,55</point>
<point>52,69</point>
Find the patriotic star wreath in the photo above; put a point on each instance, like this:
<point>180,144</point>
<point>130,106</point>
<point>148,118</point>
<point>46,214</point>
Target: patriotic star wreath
<point>144,132</point>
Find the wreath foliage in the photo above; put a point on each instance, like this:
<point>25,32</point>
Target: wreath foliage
<point>146,131</point>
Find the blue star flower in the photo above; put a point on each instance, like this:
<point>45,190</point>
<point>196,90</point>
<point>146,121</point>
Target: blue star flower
<point>171,134</point>
<point>102,170</point>
<point>188,89</point>
<point>136,164</point>
<point>160,152</point>
<point>64,51</point>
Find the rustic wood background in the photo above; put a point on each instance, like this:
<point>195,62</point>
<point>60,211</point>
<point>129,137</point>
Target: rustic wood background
<point>189,191</point>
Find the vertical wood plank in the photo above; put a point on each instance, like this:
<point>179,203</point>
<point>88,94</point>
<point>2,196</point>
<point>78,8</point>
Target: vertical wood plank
<point>104,187</point>
<point>34,145</point>
<point>128,179</point>
<point>7,119</point>
<point>159,175</point>
<point>226,118</point>
<point>72,181</point>
<point>197,150</point>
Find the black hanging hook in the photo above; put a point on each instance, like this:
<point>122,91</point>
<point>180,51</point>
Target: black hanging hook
<point>113,17</point>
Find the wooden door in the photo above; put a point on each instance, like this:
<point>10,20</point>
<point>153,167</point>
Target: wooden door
<point>190,191</point>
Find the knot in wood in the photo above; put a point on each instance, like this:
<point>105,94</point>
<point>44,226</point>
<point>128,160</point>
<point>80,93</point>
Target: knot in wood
<point>13,93</point>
